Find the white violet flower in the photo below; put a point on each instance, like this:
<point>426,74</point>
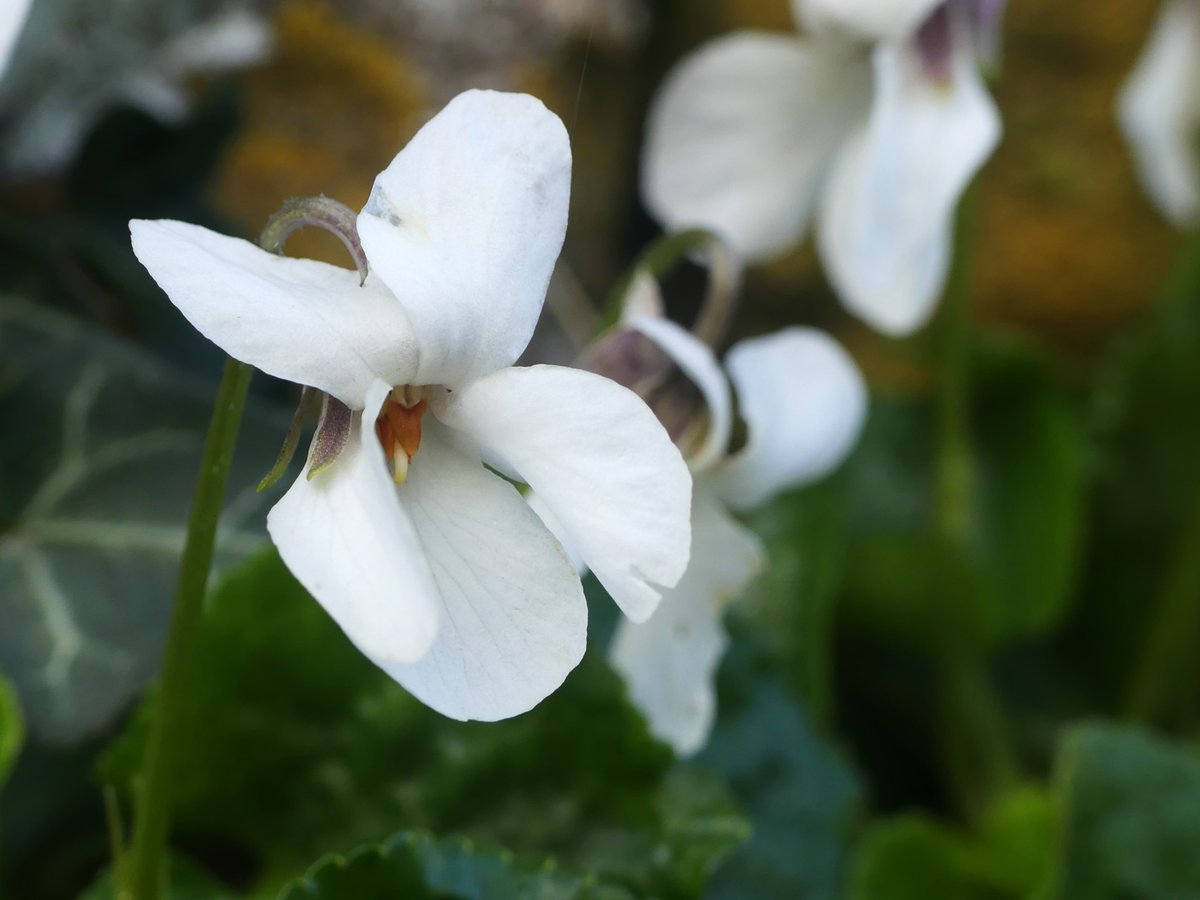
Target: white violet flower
<point>1159,111</point>
<point>874,123</point>
<point>803,402</point>
<point>433,564</point>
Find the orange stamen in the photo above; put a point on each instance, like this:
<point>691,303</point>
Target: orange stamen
<point>399,430</point>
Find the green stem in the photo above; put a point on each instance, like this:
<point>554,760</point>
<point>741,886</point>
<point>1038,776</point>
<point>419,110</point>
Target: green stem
<point>1168,654</point>
<point>1167,658</point>
<point>952,472</point>
<point>141,877</point>
<point>976,740</point>
<point>724,280</point>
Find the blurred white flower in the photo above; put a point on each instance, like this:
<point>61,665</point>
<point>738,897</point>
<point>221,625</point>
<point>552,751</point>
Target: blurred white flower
<point>875,124</point>
<point>803,402</point>
<point>1159,111</point>
<point>12,20</point>
<point>232,40</point>
<point>78,59</point>
<point>431,563</point>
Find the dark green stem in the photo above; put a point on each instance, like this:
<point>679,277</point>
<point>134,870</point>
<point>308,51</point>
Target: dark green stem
<point>976,741</point>
<point>724,280</point>
<point>1168,658</point>
<point>952,471</point>
<point>141,877</point>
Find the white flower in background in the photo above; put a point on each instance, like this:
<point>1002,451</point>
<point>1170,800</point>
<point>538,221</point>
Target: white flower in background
<point>79,59</point>
<point>874,124</point>
<point>431,563</point>
<point>803,402</point>
<point>232,40</point>
<point>1159,111</point>
<point>12,19</point>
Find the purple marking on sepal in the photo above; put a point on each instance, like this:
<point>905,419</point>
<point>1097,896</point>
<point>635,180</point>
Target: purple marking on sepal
<point>633,360</point>
<point>935,44</point>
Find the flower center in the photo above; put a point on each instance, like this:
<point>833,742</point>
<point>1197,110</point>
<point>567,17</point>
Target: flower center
<point>399,427</point>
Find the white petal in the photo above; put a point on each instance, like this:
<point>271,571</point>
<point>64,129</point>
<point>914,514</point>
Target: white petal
<point>599,460</point>
<point>346,538</point>
<point>868,20</point>
<point>514,620</point>
<point>741,132</point>
<point>670,662</point>
<point>804,402</point>
<point>297,319</point>
<point>1159,111</point>
<point>886,219</point>
<point>538,505</point>
<point>12,20</point>
<point>697,362</point>
<point>465,225</point>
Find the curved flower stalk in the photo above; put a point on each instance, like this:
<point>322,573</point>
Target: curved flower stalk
<point>431,562</point>
<point>873,124</point>
<point>803,402</point>
<point>12,20</point>
<point>1159,112</point>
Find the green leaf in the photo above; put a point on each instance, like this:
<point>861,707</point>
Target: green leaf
<point>802,797</point>
<point>96,472</point>
<point>12,729</point>
<point>294,743</point>
<point>1130,812</point>
<point>914,857</point>
<point>418,866</point>
<point>185,881</point>
<point>1147,504</point>
<point>1032,495</point>
<point>1014,571</point>
<point>804,534</point>
<point>688,831</point>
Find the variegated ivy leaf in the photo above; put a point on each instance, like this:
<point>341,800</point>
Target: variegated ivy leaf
<point>98,459</point>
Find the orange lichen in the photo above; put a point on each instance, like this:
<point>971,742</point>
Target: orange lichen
<point>328,111</point>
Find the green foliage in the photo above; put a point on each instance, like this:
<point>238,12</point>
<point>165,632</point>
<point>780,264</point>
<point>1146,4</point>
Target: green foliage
<point>913,857</point>
<point>1147,513</point>
<point>418,866</point>
<point>1121,822</point>
<point>12,729</point>
<point>1130,810</point>
<point>1012,574</point>
<point>294,743</point>
<point>803,798</point>
<point>1032,496</point>
<point>185,881</point>
<point>97,467</point>
<point>804,534</point>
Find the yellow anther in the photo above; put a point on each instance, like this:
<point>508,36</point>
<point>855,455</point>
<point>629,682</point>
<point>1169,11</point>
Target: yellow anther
<point>400,465</point>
